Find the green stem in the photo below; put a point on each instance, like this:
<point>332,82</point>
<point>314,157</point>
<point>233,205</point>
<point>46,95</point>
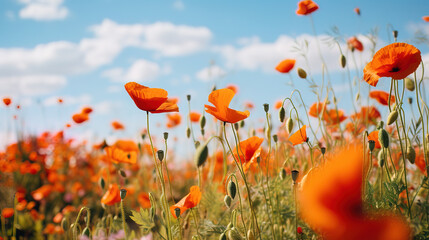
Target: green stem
<point>123,218</point>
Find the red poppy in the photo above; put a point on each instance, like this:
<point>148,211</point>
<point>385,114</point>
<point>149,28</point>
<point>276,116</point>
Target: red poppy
<point>116,125</point>
<point>189,201</point>
<point>425,18</point>
<point>87,110</point>
<point>60,100</point>
<point>335,208</point>
<point>299,137</point>
<point>333,117</point>
<point>173,120</point>
<point>396,60</point>
<point>220,99</point>
<point>355,44</point>
<point>144,200</point>
<point>374,137</point>
<point>233,87</point>
<point>249,149</point>
<point>194,116</point>
<point>7,212</point>
<point>153,100</point>
<point>306,7</point>
<point>118,155</point>
<point>367,113</point>
<point>357,11</point>
<point>80,117</point>
<point>278,104</point>
<point>7,101</point>
<point>286,65</point>
<point>316,109</point>
<point>382,97</point>
<point>112,195</point>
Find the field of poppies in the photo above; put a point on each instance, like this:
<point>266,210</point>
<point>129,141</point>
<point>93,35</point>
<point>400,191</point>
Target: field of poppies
<point>303,173</point>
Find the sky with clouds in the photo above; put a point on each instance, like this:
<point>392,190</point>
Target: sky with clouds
<point>85,51</point>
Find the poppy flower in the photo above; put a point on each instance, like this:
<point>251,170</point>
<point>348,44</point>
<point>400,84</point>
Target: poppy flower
<point>87,110</point>
<point>80,117</point>
<point>60,100</point>
<point>286,65</point>
<point>396,60</point>
<point>118,155</point>
<point>374,137</point>
<point>382,97</point>
<point>7,212</point>
<point>306,7</point>
<point>173,120</point>
<point>316,109</point>
<point>355,44</point>
<point>299,137</point>
<point>233,87</point>
<point>220,99</point>
<point>112,195</point>
<point>367,113</point>
<point>117,125</point>
<point>143,199</point>
<point>357,11</point>
<point>249,149</point>
<point>189,201</point>
<point>194,117</point>
<point>335,208</point>
<point>278,104</point>
<point>333,117</point>
<point>126,145</point>
<point>425,18</point>
<point>42,192</point>
<point>7,101</point>
<point>153,100</point>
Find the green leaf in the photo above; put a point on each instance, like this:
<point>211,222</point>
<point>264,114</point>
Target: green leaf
<point>143,219</point>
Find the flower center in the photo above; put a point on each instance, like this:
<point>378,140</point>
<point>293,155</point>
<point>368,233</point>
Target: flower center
<point>395,69</point>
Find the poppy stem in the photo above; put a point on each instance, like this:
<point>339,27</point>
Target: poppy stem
<point>296,211</point>
<point>166,169</point>
<point>3,228</point>
<point>419,96</point>
<point>195,221</point>
<point>15,217</point>
<point>123,218</point>
<point>180,228</point>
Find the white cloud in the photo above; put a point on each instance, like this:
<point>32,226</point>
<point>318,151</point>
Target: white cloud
<point>106,107</point>
<point>179,5</point>
<point>31,84</point>
<point>43,10</point>
<point>140,71</point>
<point>83,99</point>
<point>210,73</point>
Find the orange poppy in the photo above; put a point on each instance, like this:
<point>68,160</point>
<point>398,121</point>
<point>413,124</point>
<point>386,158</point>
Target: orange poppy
<point>143,199</point>
<point>374,137</point>
<point>355,44</point>
<point>7,212</point>
<point>249,105</point>
<point>87,110</point>
<point>60,100</point>
<point>335,208</point>
<point>371,113</point>
<point>126,145</point>
<point>189,201</point>
<point>7,101</point>
<point>316,109</point>
<point>420,161</point>
<point>396,60</point>
<point>220,99</point>
<point>116,125</point>
<point>118,155</point>
<point>194,116</point>
<point>173,120</point>
<point>286,65</point>
<point>382,97</point>
<point>112,195</point>
<point>357,11</point>
<point>425,18</point>
<point>153,100</point>
<point>333,117</point>
<point>278,104</point>
<point>233,87</point>
<point>306,7</point>
<point>299,137</point>
<point>249,149</point>
<point>80,117</point>
<point>42,192</point>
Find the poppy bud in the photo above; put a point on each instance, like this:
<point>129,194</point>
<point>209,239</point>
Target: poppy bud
<point>392,117</point>
<point>227,200</point>
<point>188,97</point>
<point>380,125</point>
<point>165,135</point>
<point>188,132</point>
<point>250,235</point>
<point>383,138</point>
<point>302,73</point>
<point>258,159</point>
<point>222,236</point>
<point>234,234</point>
<point>123,193</point>
<point>241,123</point>
<point>202,122</point>
<point>411,154</point>
<point>409,84</point>
<point>236,126</point>
<point>282,174</point>
<point>65,224</point>
<point>177,212</point>
<point>295,174</point>
<point>202,132</point>
<point>122,173</point>
<point>86,232</point>
<point>143,136</point>
<point>343,61</point>
<point>160,155</point>
<point>102,183</point>
<point>381,161</point>
<point>371,145</point>
<point>275,138</point>
<point>201,154</point>
<point>289,125</point>
<point>357,97</point>
<point>214,88</point>
<point>266,107</point>
<point>282,114</point>
<point>410,100</point>
<point>232,189</point>
<point>323,150</point>
<point>395,34</point>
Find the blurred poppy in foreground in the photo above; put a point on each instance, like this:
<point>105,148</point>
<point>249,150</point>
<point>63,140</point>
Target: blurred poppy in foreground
<point>220,99</point>
<point>286,65</point>
<point>194,117</point>
<point>80,117</point>
<point>118,155</point>
<point>117,125</point>
<point>189,201</point>
<point>355,44</point>
<point>299,137</point>
<point>425,18</point>
<point>153,100</point>
<point>7,212</point>
<point>174,120</point>
<point>306,7</point>
<point>382,97</point>
<point>396,60</point>
<point>249,149</point>
<point>112,195</point>
<point>331,203</point>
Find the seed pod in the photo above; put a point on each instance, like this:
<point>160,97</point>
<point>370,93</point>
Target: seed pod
<point>411,154</point>
<point>371,145</point>
<point>232,189</point>
<point>165,135</point>
<point>241,123</point>
<point>123,193</point>
<point>234,234</point>
<point>160,154</point>
<point>266,107</point>
<point>201,154</point>
<point>282,174</point>
<point>188,132</point>
<point>381,162</point>
<point>177,212</point>
<point>392,117</point>
<point>236,126</point>
<point>122,173</point>
<point>409,84</point>
<point>289,125</point>
<point>275,138</point>
<point>383,138</point>
<point>410,100</point>
<point>380,156</point>
<point>302,73</point>
<point>323,150</point>
<point>282,114</point>
<point>102,183</point>
<point>343,61</point>
<point>395,34</point>
<point>295,174</point>
<point>188,97</point>
<point>227,200</point>
<point>202,121</point>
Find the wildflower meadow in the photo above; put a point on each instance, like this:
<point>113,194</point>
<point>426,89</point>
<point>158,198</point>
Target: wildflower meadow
<point>330,149</point>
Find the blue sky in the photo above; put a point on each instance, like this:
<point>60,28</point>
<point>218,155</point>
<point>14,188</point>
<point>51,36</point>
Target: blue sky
<point>85,51</point>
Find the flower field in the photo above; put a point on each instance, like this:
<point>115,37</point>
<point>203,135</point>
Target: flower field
<point>324,169</point>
